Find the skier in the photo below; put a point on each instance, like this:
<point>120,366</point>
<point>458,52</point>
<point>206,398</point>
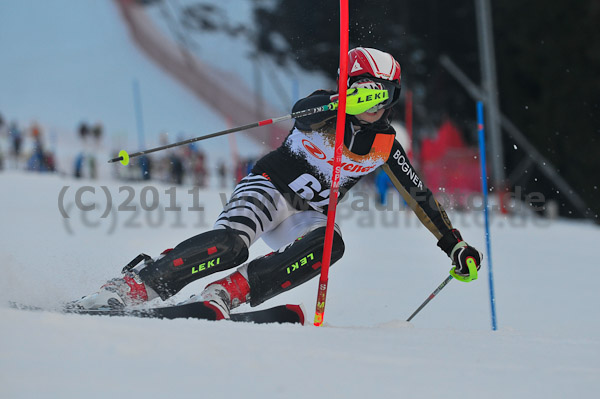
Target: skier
<point>284,201</point>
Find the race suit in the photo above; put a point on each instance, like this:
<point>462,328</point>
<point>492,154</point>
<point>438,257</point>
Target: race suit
<point>301,168</point>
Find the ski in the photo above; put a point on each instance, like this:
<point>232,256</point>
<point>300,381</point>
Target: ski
<point>293,314</point>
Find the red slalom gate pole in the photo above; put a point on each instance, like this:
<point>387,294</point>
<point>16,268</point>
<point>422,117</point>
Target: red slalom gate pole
<point>337,164</point>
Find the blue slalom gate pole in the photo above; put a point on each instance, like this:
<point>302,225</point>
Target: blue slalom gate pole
<point>484,189</point>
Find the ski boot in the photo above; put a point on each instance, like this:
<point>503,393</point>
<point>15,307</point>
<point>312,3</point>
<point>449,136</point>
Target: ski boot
<point>225,294</point>
<point>120,292</point>
<point>117,293</point>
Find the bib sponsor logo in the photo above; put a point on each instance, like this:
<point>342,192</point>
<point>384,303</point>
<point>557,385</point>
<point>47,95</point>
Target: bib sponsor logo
<point>353,167</point>
<point>313,150</point>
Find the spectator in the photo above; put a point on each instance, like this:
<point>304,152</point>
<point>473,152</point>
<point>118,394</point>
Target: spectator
<point>92,166</point>
<point>37,161</point>
<point>17,141</point>
<point>49,161</point>
<point>84,130</point>
<point>145,166</point>
<point>97,131</point>
<point>382,184</point>
<point>222,173</point>
<point>79,165</point>
<point>199,170</point>
<point>176,169</point>
<point>36,133</point>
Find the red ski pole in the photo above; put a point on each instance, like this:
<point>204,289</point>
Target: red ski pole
<point>337,165</point>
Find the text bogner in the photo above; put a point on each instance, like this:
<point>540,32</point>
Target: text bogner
<point>406,168</point>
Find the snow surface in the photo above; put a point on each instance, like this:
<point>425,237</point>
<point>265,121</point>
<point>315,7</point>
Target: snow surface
<point>547,345</point>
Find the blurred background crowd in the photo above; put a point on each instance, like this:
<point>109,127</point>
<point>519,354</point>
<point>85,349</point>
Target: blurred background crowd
<point>30,147</point>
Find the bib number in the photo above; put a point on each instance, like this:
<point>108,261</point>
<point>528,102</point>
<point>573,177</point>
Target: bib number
<point>308,187</point>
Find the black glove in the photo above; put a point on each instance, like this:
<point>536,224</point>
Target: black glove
<point>465,258</point>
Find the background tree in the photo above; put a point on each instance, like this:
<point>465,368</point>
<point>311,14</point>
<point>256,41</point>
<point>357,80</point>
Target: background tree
<point>547,53</point>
